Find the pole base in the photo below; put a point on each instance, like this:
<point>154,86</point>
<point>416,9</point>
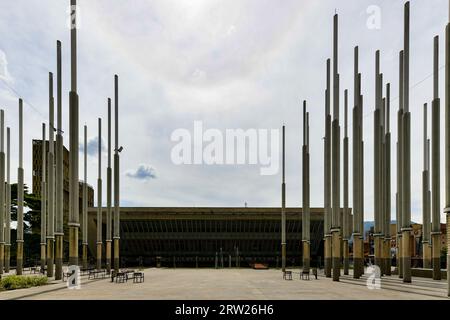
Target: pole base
<point>59,257</point>
<point>7,258</point>
<point>2,257</point>
<point>73,246</point>
<point>50,258</point>
<point>19,267</point>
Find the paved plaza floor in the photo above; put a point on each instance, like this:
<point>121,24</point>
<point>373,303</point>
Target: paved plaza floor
<point>234,284</point>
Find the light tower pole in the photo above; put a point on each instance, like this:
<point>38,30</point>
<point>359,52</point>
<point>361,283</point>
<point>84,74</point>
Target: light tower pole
<point>426,194</point>
<point>51,185</point>
<point>99,198</point>
<point>306,212</point>
<point>2,190</point>
<point>283,207</point>
<point>85,206</point>
<point>108,195</point>
<point>336,221</point>
<point>447,146</point>
<point>44,201</point>
<point>74,218</point>
<point>116,178</point>
<point>406,167</point>
<point>387,185</point>
<point>8,203</point>
<point>20,173</point>
<point>59,182</point>
<point>346,216</point>
<point>436,168</point>
<point>327,176</point>
<point>400,168</point>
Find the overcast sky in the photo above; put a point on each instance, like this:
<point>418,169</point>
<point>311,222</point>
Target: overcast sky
<point>231,64</point>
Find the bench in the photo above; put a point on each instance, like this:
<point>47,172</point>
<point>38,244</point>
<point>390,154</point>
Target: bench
<point>305,275</point>
<point>96,274</point>
<point>287,275</point>
<point>138,277</point>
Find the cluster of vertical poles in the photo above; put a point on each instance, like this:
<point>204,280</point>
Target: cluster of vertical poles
<point>338,228</point>
<point>52,222</point>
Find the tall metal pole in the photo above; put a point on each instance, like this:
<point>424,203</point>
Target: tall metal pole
<point>283,207</point>
<point>109,195</point>
<point>400,169</point>
<point>436,167</point>
<point>426,194</point>
<point>59,181</point>
<point>85,206</point>
<point>51,185</point>
<point>2,190</point>
<point>387,185</point>
<point>406,228</point>
<point>8,203</point>
<point>327,176</point>
<point>99,198</point>
<point>306,213</point>
<point>346,216</point>
<point>20,173</point>
<point>378,229</point>
<point>74,219</point>
<point>447,145</point>
<point>44,201</point>
<point>116,178</point>
<point>336,221</point>
<point>358,195</point>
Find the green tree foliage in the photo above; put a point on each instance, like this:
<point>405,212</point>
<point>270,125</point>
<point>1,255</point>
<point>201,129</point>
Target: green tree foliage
<point>32,215</point>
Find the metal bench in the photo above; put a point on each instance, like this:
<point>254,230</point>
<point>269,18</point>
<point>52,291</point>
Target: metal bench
<point>138,277</point>
<point>304,275</point>
<point>96,274</point>
<point>287,275</point>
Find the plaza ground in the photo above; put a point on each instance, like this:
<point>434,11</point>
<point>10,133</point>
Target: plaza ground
<point>233,284</point>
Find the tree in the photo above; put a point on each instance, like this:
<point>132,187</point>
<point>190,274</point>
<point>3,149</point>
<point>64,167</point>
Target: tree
<point>32,216</point>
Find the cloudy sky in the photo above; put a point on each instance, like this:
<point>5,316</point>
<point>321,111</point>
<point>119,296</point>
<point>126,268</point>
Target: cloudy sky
<point>230,64</point>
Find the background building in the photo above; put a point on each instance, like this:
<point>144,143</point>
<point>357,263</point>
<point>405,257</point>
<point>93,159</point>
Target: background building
<point>37,179</point>
<point>194,236</point>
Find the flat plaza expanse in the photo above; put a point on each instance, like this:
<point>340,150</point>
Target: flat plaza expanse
<point>233,284</point>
